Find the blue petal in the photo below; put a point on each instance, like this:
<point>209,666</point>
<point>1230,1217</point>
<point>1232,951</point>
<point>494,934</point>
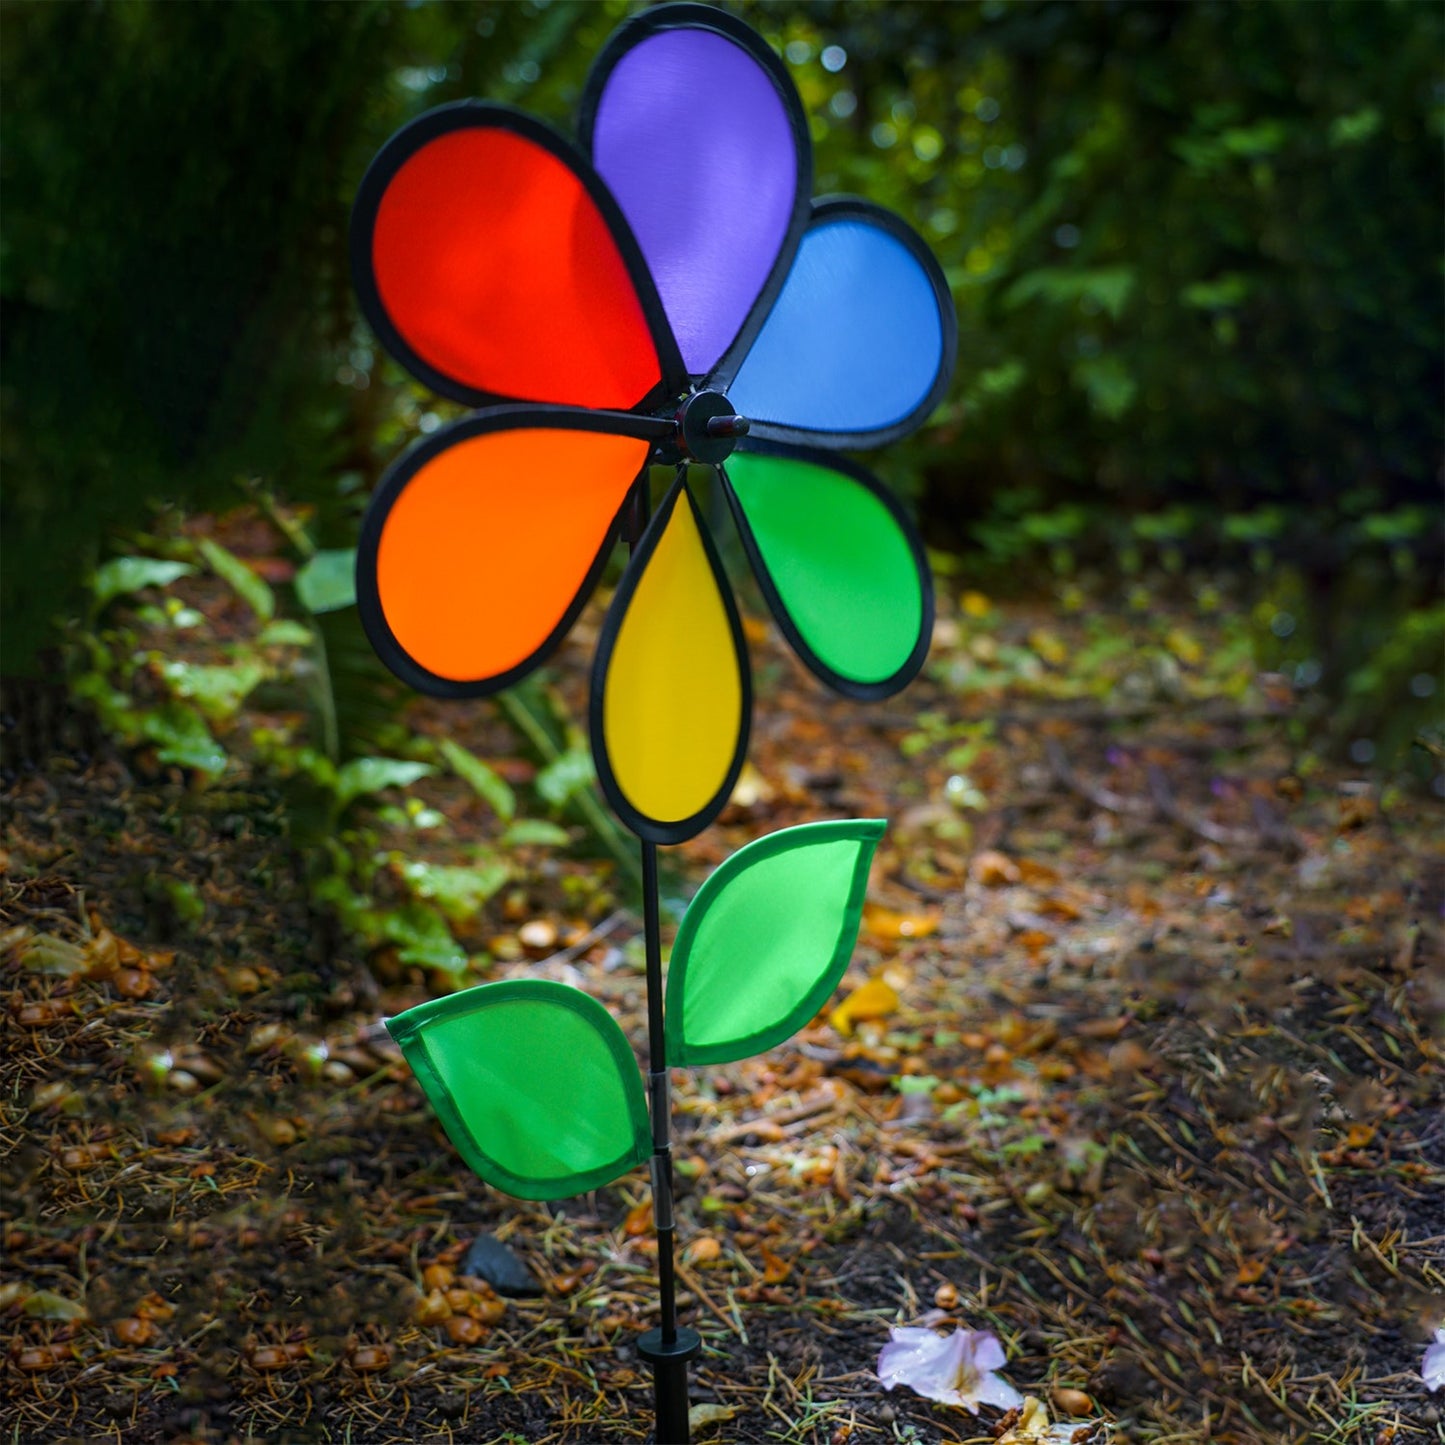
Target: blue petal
<point>860,342</point>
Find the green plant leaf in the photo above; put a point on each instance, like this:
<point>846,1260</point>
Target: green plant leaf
<point>123,575</point>
<point>423,938</point>
<point>182,737</point>
<point>534,1083</point>
<point>535,833</point>
<point>239,578</point>
<point>1108,288</point>
<point>327,582</point>
<point>568,775</point>
<point>459,891</point>
<point>284,632</point>
<point>218,691</point>
<point>484,780</point>
<point>45,1304</point>
<point>1106,381</point>
<point>370,775</point>
<point>766,940</point>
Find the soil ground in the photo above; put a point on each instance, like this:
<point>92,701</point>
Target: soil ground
<point>1156,1096</point>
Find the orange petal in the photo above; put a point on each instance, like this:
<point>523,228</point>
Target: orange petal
<point>482,545</point>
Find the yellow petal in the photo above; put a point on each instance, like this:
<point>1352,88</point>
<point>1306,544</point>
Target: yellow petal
<point>673,705</point>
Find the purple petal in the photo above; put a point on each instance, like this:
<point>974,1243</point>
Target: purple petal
<point>993,1391</point>
<point>696,140</point>
<point>1432,1367</point>
<point>986,1352</point>
<point>924,1361</point>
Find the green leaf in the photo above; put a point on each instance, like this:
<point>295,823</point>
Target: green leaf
<point>1224,292</point>
<point>219,691</point>
<point>459,891</point>
<point>1107,287</point>
<point>45,1304</point>
<point>766,940</point>
<point>239,578</point>
<point>285,632</point>
<point>123,575</point>
<point>182,737</point>
<point>533,1082</point>
<point>484,780</point>
<point>1359,125</point>
<point>1263,138</point>
<point>371,775</point>
<point>1108,385</point>
<point>327,583</point>
<point>569,774</point>
<point>45,953</point>
<point>535,833</point>
<point>422,938</point>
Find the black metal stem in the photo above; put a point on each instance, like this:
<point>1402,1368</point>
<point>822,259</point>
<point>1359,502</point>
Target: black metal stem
<point>667,1348</point>
<point>658,1096</point>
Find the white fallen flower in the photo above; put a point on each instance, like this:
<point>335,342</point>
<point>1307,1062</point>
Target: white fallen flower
<point>957,1369</point>
<point>1432,1367</point>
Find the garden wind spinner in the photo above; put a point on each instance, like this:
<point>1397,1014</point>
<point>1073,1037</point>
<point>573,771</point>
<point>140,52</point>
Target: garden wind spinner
<point>665,292</point>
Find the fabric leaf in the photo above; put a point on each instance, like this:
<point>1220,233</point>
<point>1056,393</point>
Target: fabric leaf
<point>533,1082</point>
<point>766,940</point>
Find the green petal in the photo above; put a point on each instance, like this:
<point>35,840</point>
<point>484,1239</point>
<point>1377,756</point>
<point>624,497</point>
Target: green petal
<point>841,566</point>
<point>766,940</point>
<point>533,1082</point>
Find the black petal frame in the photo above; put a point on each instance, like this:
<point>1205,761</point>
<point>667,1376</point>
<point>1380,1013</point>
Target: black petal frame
<point>493,419</point>
<point>687,16</point>
<point>826,210</point>
<point>648,829</point>
<point>849,687</point>
<point>489,115</point>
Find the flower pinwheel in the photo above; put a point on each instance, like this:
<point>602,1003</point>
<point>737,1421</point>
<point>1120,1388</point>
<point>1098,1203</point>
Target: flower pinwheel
<point>665,292</point>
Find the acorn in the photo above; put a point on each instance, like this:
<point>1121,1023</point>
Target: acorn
<point>1072,1402</point>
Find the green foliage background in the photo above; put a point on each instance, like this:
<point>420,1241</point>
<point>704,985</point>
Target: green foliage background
<point>1195,251</point>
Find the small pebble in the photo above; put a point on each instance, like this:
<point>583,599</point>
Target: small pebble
<point>538,936</point>
<point>495,1262</point>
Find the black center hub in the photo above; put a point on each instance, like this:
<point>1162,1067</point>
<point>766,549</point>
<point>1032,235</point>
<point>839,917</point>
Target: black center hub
<point>708,428</point>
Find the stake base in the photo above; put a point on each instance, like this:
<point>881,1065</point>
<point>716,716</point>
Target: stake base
<point>687,1346</point>
<point>669,1381</point>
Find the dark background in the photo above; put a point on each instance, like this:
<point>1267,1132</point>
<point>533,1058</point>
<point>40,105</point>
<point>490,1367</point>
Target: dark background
<point>1195,249</point>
